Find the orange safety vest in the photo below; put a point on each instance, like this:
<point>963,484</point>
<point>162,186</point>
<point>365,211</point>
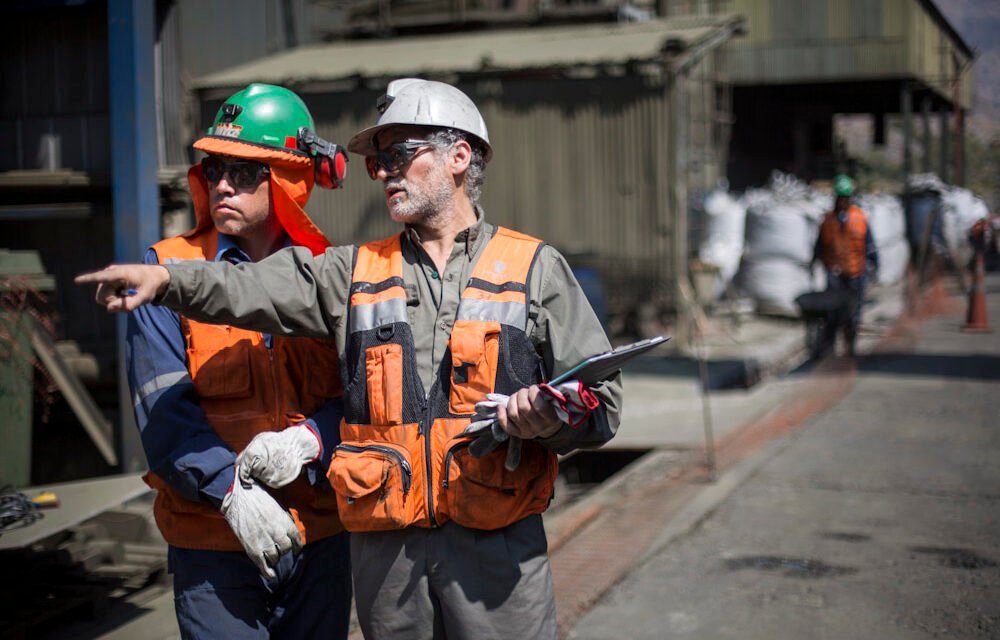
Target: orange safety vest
<point>401,461</point>
<point>244,389</point>
<point>843,245</point>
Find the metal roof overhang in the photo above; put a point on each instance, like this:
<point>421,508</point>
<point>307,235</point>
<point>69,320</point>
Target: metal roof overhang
<point>483,53</point>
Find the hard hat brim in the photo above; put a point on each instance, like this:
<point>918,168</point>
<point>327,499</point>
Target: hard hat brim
<point>252,151</point>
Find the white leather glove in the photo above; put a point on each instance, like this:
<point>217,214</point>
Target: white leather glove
<point>488,434</point>
<point>262,526</point>
<point>276,457</point>
<point>572,401</point>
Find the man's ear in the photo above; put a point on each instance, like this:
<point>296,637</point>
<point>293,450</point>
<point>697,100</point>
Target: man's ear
<point>461,156</point>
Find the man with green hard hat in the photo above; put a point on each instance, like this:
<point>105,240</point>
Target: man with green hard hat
<point>248,560</point>
<point>847,250</point>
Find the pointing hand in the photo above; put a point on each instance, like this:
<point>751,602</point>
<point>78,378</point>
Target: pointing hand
<point>125,287</point>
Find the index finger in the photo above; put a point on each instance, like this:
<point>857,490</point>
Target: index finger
<point>96,277</point>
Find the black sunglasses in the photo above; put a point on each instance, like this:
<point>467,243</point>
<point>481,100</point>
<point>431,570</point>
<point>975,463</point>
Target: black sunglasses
<point>243,174</point>
<point>394,157</point>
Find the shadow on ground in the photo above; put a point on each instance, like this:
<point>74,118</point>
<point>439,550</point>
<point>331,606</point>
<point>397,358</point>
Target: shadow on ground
<point>722,374</point>
<point>975,367</point>
<point>972,367</point>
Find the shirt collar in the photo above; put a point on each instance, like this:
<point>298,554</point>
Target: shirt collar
<point>468,238</point>
<point>227,249</point>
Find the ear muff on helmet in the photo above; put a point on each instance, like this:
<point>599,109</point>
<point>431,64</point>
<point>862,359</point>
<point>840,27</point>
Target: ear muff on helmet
<point>330,159</point>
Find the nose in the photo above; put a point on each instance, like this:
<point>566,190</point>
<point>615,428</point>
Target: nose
<point>223,185</point>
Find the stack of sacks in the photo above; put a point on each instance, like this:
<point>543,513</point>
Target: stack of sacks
<point>725,227</point>
<point>888,225</point>
<point>781,226</point>
<point>960,209</point>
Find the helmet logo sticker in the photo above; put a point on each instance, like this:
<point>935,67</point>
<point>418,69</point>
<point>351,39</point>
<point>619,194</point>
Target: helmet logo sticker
<point>228,130</point>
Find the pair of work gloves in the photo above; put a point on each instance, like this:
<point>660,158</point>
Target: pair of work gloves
<point>264,527</point>
<point>275,459</point>
<point>571,400</point>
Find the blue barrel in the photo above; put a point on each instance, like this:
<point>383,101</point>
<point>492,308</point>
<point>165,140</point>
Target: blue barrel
<point>593,288</point>
<point>922,203</point>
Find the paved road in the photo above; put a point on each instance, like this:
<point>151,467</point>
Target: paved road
<point>879,519</point>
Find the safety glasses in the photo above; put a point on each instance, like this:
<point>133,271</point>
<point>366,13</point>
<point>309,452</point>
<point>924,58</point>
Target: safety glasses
<point>394,157</point>
<point>243,174</point>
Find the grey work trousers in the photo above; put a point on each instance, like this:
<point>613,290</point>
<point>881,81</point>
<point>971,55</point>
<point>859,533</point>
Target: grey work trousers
<point>454,583</point>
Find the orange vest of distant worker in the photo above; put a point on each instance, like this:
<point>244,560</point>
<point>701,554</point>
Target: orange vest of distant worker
<point>843,244</point>
<point>244,388</point>
<point>402,461</point>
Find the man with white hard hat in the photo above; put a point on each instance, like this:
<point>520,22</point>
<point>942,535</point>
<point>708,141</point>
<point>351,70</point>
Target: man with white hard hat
<point>446,328</point>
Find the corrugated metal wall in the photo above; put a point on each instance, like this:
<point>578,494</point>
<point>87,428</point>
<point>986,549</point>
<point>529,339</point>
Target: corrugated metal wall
<point>581,163</point>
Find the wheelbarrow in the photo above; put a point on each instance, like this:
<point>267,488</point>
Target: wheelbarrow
<point>824,313</point>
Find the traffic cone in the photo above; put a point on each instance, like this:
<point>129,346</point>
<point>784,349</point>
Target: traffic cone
<point>976,320</point>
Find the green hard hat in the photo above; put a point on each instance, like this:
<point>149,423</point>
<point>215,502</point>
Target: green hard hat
<point>843,186</point>
<point>262,114</point>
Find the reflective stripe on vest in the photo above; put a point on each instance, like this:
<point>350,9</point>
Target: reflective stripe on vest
<point>497,289</point>
<point>403,461</point>
<point>377,294</point>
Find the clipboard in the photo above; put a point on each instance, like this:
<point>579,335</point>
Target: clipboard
<point>602,366</point>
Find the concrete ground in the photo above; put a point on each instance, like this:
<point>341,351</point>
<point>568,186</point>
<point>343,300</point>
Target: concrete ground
<point>876,517</point>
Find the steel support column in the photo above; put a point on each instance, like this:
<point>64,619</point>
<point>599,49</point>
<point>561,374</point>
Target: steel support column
<point>944,136</point>
<point>135,194</point>
<point>925,115</point>
<point>906,106</point>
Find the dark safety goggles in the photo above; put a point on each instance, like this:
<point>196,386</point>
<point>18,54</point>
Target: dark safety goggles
<point>394,157</point>
<point>243,174</point>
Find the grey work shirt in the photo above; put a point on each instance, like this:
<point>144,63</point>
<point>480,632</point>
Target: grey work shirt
<point>293,293</point>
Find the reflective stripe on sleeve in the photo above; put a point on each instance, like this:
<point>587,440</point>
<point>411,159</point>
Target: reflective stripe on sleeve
<point>159,383</point>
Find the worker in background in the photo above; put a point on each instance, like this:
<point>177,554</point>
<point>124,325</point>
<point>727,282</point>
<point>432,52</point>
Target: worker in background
<point>202,392</point>
<point>981,236</point>
<point>446,535</point>
<point>847,250</point>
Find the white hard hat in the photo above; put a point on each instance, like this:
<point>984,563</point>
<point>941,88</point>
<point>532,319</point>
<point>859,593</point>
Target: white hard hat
<point>412,101</point>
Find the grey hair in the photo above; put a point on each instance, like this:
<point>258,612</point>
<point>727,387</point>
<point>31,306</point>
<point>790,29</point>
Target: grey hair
<point>445,139</point>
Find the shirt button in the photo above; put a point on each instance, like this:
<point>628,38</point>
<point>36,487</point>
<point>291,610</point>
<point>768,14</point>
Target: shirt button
<point>450,277</point>
<point>444,325</point>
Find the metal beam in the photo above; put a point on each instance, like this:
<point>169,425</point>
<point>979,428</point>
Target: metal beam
<point>135,194</point>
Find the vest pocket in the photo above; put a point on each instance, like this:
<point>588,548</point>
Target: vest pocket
<point>482,494</point>
<point>372,482</point>
<point>384,370</point>
<point>219,364</point>
<point>475,349</point>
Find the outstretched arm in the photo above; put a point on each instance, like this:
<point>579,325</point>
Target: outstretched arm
<point>289,293</point>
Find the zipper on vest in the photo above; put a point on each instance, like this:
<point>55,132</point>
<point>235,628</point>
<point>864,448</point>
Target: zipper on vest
<point>426,429</point>
<point>404,466</point>
<point>447,460</point>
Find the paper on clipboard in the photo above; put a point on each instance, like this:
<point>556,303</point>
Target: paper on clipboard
<point>599,367</point>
